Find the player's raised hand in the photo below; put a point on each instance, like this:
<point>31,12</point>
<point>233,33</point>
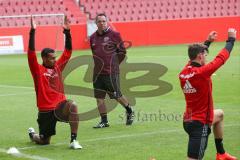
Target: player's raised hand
<point>66,24</point>
<point>33,24</point>
<point>232,32</point>
<point>212,36</point>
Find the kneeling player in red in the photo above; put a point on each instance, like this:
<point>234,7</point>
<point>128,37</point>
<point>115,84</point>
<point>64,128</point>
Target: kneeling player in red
<point>196,83</point>
<point>51,101</point>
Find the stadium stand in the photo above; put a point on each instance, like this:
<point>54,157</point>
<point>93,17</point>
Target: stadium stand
<point>24,7</point>
<point>124,10</point>
<point>139,10</point>
<point>154,19</point>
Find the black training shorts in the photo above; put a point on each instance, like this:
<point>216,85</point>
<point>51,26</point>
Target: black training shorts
<point>106,84</point>
<point>198,138</point>
<point>47,120</point>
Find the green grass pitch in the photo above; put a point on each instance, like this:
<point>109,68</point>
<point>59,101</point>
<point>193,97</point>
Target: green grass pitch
<point>162,139</point>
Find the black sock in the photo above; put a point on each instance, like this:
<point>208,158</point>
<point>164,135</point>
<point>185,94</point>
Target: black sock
<point>104,117</point>
<point>73,136</point>
<point>219,145</point>
<point>128,109</point>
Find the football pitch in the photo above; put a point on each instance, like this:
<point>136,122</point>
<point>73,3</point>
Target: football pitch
<point>157,132</point>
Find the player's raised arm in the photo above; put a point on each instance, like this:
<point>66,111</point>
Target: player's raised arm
<point>68,38</point>
<point>32,58</point>
<point>232,34</point>
<point>211,38</point>
<point>223,55</point>
<point>62,61</point>
<point>31,46</point>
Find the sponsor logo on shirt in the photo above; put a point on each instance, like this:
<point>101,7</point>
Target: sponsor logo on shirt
<point>50,73</point>
<point>187,76</point>
<point>188,88</point>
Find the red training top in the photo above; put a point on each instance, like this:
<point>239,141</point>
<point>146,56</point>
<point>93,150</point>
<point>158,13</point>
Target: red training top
<point>48,82</point>
<point>196,84</point>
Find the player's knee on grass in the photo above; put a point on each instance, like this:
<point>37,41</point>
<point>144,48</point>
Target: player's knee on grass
<point>42,140</point>
<point>45,142</point>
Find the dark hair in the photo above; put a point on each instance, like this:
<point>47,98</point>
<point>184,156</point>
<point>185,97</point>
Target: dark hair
<point>100,14</point>
<point>46,51</point>
<point>195,49</point>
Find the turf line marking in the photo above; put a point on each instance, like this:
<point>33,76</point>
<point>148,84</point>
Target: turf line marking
<point>159,57</point>
<point>20,87</point>
<point>22,155</point>
<point>16,94</point>
<point>120,136</point>
<point>108,138</point>
<point>132,135</point>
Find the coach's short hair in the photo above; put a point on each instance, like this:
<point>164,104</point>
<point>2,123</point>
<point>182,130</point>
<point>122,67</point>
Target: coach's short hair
<point>195,49</point>
<point>46,51</point>
<point>100,14</point>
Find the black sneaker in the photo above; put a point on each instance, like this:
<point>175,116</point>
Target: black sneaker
<point>130,118</point>
<point>102,125</point>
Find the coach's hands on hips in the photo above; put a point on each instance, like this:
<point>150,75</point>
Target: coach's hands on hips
<point>212,36</point>
<point>66,24</point>
<point>232,33</point>
<point>33,24</point>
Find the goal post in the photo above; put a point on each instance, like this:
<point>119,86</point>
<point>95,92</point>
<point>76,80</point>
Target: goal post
<point>48,33</point>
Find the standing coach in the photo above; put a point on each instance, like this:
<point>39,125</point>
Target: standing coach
<point>108,53</point>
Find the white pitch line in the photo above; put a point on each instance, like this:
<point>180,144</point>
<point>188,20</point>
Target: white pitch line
<point>132,135</point>
<point>158,57</point>
<point>20,87</point>
<point>108,138</point>
<point>15,94</point>
<point>163,130</point>
<point>22,155</point>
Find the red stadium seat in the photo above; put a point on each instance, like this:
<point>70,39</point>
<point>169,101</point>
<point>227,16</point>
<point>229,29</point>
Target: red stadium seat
<point>22,7</point>
<point>124,10</point>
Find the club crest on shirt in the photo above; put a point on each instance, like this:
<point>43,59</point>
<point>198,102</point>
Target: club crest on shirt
<point>106,39</point>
